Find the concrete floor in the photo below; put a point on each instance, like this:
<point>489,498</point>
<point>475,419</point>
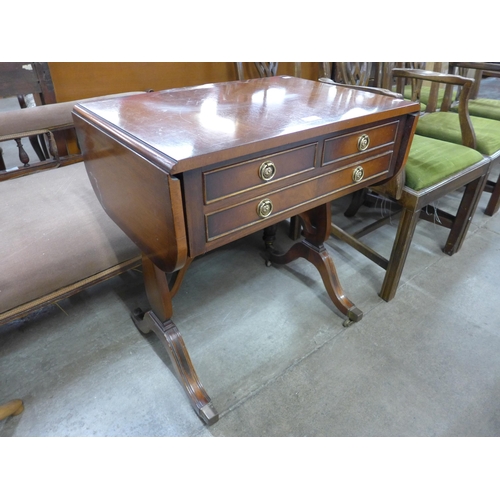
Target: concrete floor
<point>270,348</point>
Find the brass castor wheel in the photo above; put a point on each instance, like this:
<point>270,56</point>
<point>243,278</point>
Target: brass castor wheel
<point>14,407</point>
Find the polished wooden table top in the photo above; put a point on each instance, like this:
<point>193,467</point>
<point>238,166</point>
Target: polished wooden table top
<point>185,171</point>
<point>191,127</point>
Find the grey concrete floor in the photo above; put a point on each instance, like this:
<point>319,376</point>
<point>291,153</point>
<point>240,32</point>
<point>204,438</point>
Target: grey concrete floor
<point>270,348</point>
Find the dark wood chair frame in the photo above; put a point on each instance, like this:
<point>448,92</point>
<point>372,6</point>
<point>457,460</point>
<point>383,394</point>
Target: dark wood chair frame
<point>414,205</point>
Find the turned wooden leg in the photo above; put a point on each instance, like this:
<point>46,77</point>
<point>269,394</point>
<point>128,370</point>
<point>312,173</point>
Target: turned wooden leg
<point>294,229</point>
<point>14,407</point>
<point>402,242</point>
<point>316,230</point>
<point>269,236</point>
<point>358,198</point>
<point>158,320</point>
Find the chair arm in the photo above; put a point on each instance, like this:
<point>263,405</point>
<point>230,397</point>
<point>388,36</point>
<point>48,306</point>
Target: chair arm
<point>468,134</point>
<point>373,90</point>
<point>484,66</point>
<point>432,76</point>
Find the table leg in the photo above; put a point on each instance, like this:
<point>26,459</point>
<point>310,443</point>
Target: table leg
<point>316,230</point>
<point>158,320</point>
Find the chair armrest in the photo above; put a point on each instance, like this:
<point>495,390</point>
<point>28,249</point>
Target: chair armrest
<point>432,76</point>
<point>484,66</point>
<point>414,75</point>
<point>373,90</point>
<point>481,69</point>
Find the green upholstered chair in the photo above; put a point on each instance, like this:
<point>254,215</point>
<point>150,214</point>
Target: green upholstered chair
<point>483,107</point>
<point>433,169</point>
<point>446,124</point>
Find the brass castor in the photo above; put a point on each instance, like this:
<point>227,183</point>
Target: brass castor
<point>14,407</point>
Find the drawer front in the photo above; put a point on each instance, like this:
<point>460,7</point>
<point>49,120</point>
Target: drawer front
<point>241,177</point>
<point>276,203</point>
<point>365,141</point>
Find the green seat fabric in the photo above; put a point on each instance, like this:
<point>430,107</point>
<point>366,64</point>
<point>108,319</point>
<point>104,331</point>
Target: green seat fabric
<point>431,161</point>
<point>446,127</point>
<point>424,94</point>
<point>485,108</point>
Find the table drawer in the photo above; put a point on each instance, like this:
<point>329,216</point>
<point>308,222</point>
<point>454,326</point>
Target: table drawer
<point>361,142</point>
<point>277,203</point>
<point>241,177</point>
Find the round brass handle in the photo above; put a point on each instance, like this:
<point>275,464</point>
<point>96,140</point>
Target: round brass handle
<point>267,170</point>
<point>363,142</point>
<point>264,208</point>
<point>358,174</point>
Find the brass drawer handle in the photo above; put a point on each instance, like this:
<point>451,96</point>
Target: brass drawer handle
<point>264,208</point>
<point>267,170</point>
<point>357,174</point>
<point>363,142</point>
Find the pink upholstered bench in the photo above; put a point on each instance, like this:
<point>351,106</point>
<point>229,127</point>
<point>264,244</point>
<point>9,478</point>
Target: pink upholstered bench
<point>55,238</point>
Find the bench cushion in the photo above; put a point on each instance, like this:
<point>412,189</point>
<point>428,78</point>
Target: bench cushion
<point>54,233</point>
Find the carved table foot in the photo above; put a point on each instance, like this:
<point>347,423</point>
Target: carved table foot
<point>172,340</point>
<point>324,264</point>
<point>316,229</point>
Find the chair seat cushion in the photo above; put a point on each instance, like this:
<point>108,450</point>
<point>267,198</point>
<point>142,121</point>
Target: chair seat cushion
<point>431,161</point>
<point>54,233</point>
<point>425,92</point>
<point>446,127</point>
<point>486,108</point>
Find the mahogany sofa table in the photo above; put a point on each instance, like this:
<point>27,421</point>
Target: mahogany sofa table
<point>185,171</point>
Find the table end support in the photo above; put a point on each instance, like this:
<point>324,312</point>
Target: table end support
<point>174,344</point>
<point>316,230</point>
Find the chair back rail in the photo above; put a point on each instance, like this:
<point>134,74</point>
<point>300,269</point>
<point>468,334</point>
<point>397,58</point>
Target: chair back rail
<point>264,69</point>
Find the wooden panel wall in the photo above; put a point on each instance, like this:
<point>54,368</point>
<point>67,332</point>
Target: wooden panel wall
<point>79,80</point>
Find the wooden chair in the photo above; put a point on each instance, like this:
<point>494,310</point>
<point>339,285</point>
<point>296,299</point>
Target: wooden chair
<point>365,74</point>
<point>264,69</point>
<point>483,107</point>
<point>433,169</point>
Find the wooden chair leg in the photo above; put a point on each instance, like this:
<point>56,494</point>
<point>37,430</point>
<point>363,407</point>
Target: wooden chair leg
<point>295,228</point>
<point>494,202</point>
<point>463,218</point>
<point>14,407</point>
<point>358,198</point>
<point>404,235</point>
